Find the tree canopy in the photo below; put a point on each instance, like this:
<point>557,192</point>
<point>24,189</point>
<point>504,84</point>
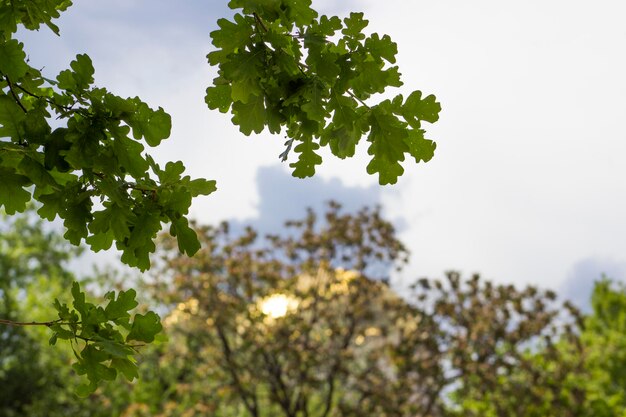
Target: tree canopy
<point>284,67</point>
<point>302,325</point>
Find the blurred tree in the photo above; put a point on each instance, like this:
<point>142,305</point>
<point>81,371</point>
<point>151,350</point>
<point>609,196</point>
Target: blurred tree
<point>297,326</point>
<point>586,380</point>
<point>28,256</point>
<point>33,266</point>
<point>604,338</point>
<point>515,353</point>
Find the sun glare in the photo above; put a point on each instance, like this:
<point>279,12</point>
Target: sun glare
<point>277,305</point>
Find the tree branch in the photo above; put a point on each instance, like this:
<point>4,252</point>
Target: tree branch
<point>279,387</point>
<point>17,99</point>
<point>332,374</point>
<point>248,398</point>
<point>260,22</point>
<point>48,100</point>
<point>30,323</point>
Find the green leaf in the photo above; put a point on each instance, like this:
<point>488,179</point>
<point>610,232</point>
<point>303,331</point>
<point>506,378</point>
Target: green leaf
<point>145,327</point>
<point>305,166</point>
<point>244,69</point>
<point>219,97</point>
<point>300,11</point>
<point>354,26</point>
<point>172,172</point>
<point>79,299</point>
<point>101,240</point>
<point>314,106</point>
<point>80,78</point>
<point>127,367</point>
<point>54,148</point>
<point>120,107</point>
<point>36,172</point>
<point>325,65</point>
<point>77,213</point>
<point>416,107</point>
<point>85,150</point>
<point>387,137</point>
<point>343,141</point>
<point>140,243</point>
<point>12,59</point>
<point>63,310</point>
<point>62,333</point>
<point>153,125</point>
<point>13,196</point>
<point>107,225</point>
<point>421,149</point>
<point>372,78</point>
<point>250,116</point>
<point>186,237</point>
<point>83,71</point>
<point>35,126</point>
<point>176,199</point>
<point>11,119</point>
<point>33,13</point>
<point>128,153</point>
<point>85,390</point>
<point>263,80</point>
<point>90,364</point>
<point>327,26</point>
<point>201,186</point>
<point>118,308</point>
<point>231,35</point>
<point>7,20</point>
<point>115,349</point>
<point>382,47</point>
<point>52,205</point>
<point>344,111</point>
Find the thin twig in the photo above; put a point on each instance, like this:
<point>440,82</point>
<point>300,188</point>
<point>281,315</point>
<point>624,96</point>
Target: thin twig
<point>30,323</point>
<point>17,99</point>
<point>48,100</point>
<point>249,399</point>
<point>358,99</point>
<point>259,21</point>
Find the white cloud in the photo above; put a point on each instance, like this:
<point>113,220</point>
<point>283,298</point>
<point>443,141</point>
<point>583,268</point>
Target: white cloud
<point>581,277</point>
<point>526,179</point>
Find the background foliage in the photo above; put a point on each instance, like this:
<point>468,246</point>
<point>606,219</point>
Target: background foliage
<point>346,344</point>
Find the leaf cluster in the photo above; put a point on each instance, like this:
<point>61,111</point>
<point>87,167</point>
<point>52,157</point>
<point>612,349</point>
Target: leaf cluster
<point>283,67</point>
<point>102,337</point>
<point>347,345</point>
<point>79,151</point>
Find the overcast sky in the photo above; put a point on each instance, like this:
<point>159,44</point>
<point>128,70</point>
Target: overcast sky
<point>528,184</point>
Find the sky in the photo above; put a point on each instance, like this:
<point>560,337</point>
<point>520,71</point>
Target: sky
<point>527,185</point>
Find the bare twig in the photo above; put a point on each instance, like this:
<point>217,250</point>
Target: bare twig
<point>260,22</point>
<point>248,398</point>
<point>30,323</point>
<point>17,99</point>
